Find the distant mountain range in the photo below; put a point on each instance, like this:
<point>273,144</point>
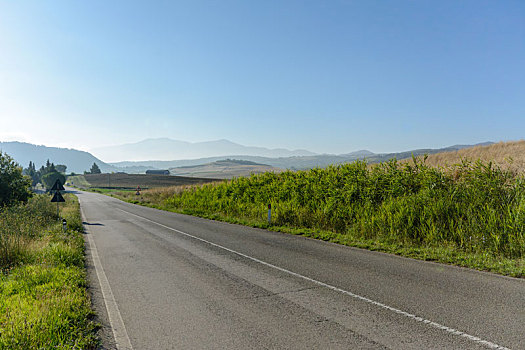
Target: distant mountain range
<point>295,162</point>
<point>76,161</point>
<point>169,149</point>
<point>80,161</point>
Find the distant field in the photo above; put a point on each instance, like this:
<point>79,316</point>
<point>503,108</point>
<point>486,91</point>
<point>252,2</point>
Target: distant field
<point>131,181</point>
<point>506,155</point>
<point>224,169</point>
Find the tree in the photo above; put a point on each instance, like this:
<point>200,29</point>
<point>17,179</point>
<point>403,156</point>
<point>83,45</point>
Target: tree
<point>95,169</point>
<point>14,186</point>
<point>32,173</point>
<point>49,179</point>
<point>44,170</point>
<point>61,168</point>
<point>27,171</point>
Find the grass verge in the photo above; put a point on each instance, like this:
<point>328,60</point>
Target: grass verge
<point>445,254</point>
<point>43,299</point>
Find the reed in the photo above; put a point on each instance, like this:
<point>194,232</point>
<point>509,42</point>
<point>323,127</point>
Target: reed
<point>474,206</point>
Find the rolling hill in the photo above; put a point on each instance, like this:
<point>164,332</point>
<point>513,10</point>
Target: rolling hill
<point>224,169</point>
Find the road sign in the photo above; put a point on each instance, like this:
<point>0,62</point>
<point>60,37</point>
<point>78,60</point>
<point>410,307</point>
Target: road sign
<point>57,186</point>
<point>57,198</point>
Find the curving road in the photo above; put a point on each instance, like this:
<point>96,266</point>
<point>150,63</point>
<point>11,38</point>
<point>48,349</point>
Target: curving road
<point>162,280</point>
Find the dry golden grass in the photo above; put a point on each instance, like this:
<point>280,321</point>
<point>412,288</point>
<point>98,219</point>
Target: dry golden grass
<point>163,193</point>
<point>506,155</point>
<point>156,195</point>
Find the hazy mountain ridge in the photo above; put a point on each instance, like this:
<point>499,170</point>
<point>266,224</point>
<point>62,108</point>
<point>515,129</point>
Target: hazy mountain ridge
<point>76,161</point>
<point>79,161</point>
<point>297,163</point>
<point>168,149</point>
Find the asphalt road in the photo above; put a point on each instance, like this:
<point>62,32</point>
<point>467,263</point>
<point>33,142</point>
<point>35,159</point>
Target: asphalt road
<point>161,280</point>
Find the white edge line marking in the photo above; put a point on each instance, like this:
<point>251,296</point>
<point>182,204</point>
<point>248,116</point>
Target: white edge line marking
<point>115,319</point>
<point>356,296</point>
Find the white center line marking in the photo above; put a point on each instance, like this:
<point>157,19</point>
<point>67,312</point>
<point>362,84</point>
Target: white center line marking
<point>450,330</point>
<point>115,319</point>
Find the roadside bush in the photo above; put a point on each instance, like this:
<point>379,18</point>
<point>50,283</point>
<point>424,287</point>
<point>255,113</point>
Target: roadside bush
<point>14,187</point>
<point>49,179</point>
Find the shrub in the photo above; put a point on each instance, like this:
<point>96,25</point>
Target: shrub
<point>50,178</point>
<point>14,187</point>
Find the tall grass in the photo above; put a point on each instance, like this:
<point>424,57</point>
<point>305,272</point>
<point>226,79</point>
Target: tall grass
<point>20,226</point>
<point>43,298</point>
<point>475,207</point>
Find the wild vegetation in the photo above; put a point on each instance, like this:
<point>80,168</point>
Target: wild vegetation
<point>472,213</point>
<point>43,298</point>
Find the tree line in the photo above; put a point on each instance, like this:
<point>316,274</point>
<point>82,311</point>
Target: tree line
<point>16,182</point>
<point>46,175</point>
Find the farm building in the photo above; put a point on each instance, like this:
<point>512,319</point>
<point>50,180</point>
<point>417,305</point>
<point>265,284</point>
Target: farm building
<point>157,172</point>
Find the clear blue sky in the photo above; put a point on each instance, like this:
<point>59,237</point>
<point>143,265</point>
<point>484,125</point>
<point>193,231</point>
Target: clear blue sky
<point>327,76</point>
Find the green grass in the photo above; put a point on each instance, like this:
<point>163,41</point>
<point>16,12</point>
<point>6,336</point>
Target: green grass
<point>109,190</point>
<point>78,181</point>
<point>43,298</point>
<point>472,214</point>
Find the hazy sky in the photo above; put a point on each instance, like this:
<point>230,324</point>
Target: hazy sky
<point>327,76</point>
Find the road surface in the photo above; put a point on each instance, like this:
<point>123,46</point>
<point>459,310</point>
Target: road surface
<point>162,280</point>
